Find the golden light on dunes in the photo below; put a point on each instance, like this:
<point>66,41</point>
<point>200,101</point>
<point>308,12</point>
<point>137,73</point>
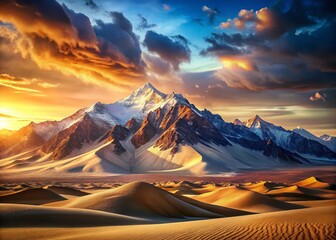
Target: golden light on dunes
<point>237,62</point>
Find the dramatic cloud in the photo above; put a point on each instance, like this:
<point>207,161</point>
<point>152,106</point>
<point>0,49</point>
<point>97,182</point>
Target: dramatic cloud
<point>143,24</point>
<point>273,22</point>
<point>156,64</point>
<point>118,38</point>
<point>174,50</point>
<point>159,70</point>
<point>56,37</point>
<point>231,45</point>
<point>212,13</point>
<point>244,16</point>
<point>318,96</point>
<point>284,48</point>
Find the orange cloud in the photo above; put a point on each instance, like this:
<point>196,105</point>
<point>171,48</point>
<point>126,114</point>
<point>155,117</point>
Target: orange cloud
<point>225,24</point>
<point>318,96</point>
<point>266,20</point>
<point>239,24</point>
<point>247,15</point>
<point>24,84</point>
<point>232,62</point>
<point>46,20</point>
<point>55,37</point>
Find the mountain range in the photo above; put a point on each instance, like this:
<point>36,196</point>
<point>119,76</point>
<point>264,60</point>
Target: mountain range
<point>151,132</point>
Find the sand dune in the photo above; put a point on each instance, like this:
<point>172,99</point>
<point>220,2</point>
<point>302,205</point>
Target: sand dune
<point>138,199</point>
<point>186,187</point>
<point>6,192</point>
<point>297,193</point>
<point>20,215</point>
<point>313,182</point>
<point>316,203</point>
<point>66,191</point>
<point>35,196</point>
<point>164,210</point>
<point>244,199</point>
<point>263,186</point>
<point>316,223</point>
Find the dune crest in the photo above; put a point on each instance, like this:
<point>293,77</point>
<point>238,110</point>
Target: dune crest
<point>313,182</point>
<point>35,196</point>
<point>241,198</point>
<point>139,199</point>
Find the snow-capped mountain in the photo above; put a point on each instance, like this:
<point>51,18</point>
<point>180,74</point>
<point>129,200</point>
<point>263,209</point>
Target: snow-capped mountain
<point>326,140</point>
<point>150,131</point>
<point>290,140</point>
<point>267,131</point>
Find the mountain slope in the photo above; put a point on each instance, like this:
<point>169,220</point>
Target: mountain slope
<point>150,131</point>
<point>289,140</point>
<point>24,139</point>
<point>326,140</point>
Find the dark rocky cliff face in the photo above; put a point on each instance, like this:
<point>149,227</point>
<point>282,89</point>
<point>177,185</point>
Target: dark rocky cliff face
<point>179,125</point>
<point>145,133</point>
<point>275,151</point>
<point>115,135</point>
<point>132,125</point>
<point>301,144</point>
<point>73,138</point>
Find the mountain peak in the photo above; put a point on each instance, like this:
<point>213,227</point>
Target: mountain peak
<point>326,137</point>
<point>254,122</point>
<point>303,132</point>
<point>257,117</point>
<point>237,122</point>
<point>148,87</point>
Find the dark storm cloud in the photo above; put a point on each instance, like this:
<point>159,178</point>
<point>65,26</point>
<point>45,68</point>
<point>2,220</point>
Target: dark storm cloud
<point>222,44</point>
<point>292,46</point>
<point>174,50</point>
<point>143,24</point>
<point>119,35</point>
<point>82,24</point>
<point>273,22</point>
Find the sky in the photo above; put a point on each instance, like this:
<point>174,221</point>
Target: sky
<point>235,58</point>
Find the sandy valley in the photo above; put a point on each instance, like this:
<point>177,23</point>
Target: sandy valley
<point>180,209</point>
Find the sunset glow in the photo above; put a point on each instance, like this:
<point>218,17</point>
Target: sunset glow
<point>66,55</point>
<point>232,63</point>
<point>162,119</point>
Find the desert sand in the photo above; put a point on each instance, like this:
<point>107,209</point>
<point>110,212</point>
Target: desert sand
<point>169,210</point>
